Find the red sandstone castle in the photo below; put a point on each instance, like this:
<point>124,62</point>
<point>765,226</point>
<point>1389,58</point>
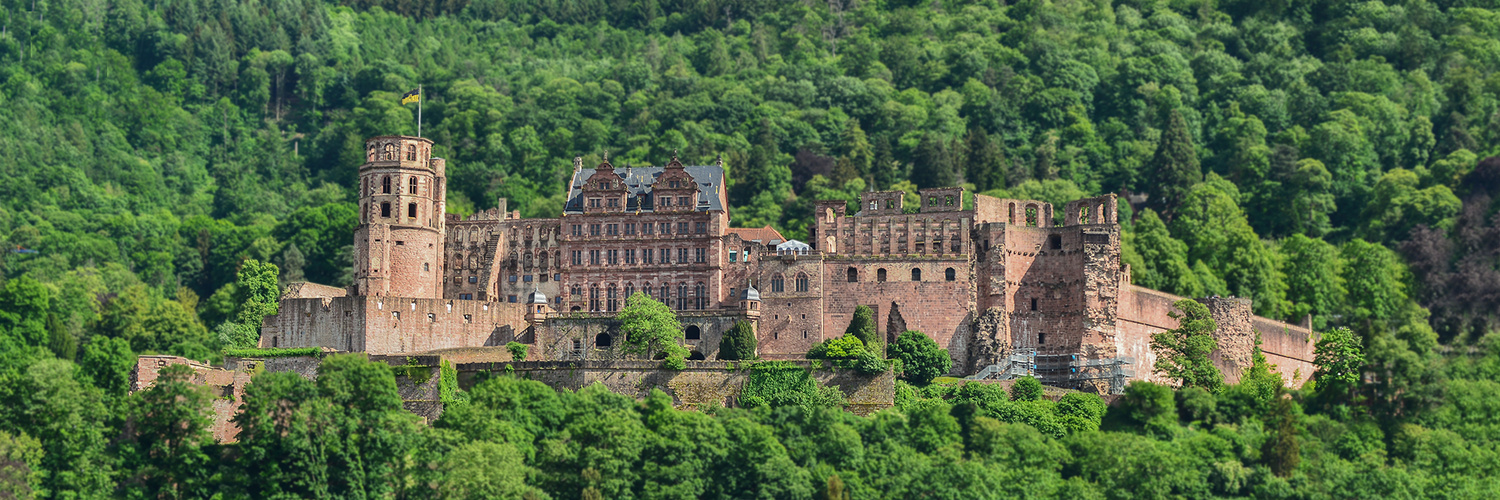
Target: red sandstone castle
<point>998,284</point>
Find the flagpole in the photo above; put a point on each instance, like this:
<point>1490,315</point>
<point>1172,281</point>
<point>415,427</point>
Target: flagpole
<point>419,110</point>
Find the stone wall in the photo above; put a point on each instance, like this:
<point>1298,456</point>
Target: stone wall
<point>596,336</point>
<point>933,305</point>
<point>702,383</point>
<point>226,386</point>
<point>387,325</point>
<point>1288,347</point>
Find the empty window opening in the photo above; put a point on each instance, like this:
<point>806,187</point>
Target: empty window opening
<point>692,333</point>
<point>696,356</point>
<point>385,185</point>
<point>950,274</point>
<point>1054,242</point>
<point>411,210</point>
<point>879,275</point>
<point>916,275</point>
<point>411,153</point>
<point>853,275</point>
<point>411,184</point>
<point>1033,303</point>
<point>603,340</point>
<point>1031,216</point>
<point>385,209</point>
<point>1041,338</point>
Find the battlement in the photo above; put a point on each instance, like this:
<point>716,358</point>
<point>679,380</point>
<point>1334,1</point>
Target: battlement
<point>1098,210</point>
<point>882,202</point>
<point>948,199</point>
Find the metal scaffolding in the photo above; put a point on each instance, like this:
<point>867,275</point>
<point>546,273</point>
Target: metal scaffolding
<point>1071,371</point>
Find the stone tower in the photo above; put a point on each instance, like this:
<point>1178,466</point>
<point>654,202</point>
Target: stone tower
<point>398,245</point>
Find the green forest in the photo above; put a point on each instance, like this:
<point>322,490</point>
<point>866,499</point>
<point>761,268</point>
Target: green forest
<point>169,165</point>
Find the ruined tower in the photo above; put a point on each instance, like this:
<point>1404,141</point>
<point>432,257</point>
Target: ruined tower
<point>398,245</point>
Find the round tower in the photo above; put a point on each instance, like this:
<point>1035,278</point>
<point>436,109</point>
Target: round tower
<point>398,245</point>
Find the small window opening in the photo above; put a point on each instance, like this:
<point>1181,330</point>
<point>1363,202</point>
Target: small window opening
<point>693,333</point>
<point>603,340</point>
<point>1041,338</point>
<point>411,210</point>
<point>385,209</point>
<point>1055,242</point>
<point>879,275</point>
<point>853,275</point>
<point>950,274</point>
<point>1033,303</point>
<point>916,275</point>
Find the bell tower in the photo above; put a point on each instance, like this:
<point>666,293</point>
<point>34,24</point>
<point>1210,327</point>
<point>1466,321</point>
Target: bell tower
<point>398,245</point>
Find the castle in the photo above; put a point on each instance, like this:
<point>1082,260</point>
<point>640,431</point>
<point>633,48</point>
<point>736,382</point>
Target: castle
<point>994,281</point>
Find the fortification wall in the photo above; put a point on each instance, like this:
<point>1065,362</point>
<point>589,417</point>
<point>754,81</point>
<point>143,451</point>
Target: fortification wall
<point>1143,312</point>
<point>402,325</point>
<point>226,386</point>
<point>1288,347</point>
<point>701,383</point>
<point>791,321</point>
<point>596,336</point>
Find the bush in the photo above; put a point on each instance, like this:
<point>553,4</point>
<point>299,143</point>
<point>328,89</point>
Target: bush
<point>1081,412</point>
<point>1026,389</point>
<point>517,350</point>
<point>870,363</point>
<point>845,347</point>
<point>273,352</point>
<point>862,326</point>
<point>921,359</point>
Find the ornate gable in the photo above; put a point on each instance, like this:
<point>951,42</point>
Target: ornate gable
<point>604,190</point>
<point>675,189</point>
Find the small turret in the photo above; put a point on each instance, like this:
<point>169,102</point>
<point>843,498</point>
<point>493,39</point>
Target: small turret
<point>750,302</point>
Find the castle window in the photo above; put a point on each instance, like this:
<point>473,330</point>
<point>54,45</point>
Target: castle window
<point>1012,213</point>
<point>682,228</point>
<point>1031,216</point>
<point>593,257</point>
<point>614,202</point>
<point>880,275</point>
<point>1083,214</point>
<point>385,209</point>
<point>577,347</point>
<point>666,294</point>
<point>1055,242</point>
<point>594,203</point>
<point>578,257</point>
<point>693,333</point>
<point>932,201</point>
<point>575,290</point>
<point>473,279</point>
<point>594,297</point>
<point>646,289</point>
<point>411,184</point>
<point>630,256</point>
<point>629,290</point>
<point>1033,303</point>
<point>614,257</point>
<point>734,256</point>
<point>370,153</point>
<point>612,229</point>
<point>578,230</point>
<point>682,296</point>
<point>700,294</point>
<point>700,255</point>
<point>682,255</point>
<point>411,153</point>
<point>432,317</point>
<point>889,205</point>
<point>916,274</point>
<point>1041,338</point>
<point>613,295</point>
<point>700,228</point>
<point>388,153</point>
<point>603,341</point>
<point>385,185</point>
<point>647,254</point>
<point>872,206</point>
<point>665,201</point>
<point>853,275</point>
<point>948,200</point>
<point>629,228</point>
<point>646,228</point>
<point>801,282</point>
<point>778,284</point>
<point>411,210</point>
<point>593,230</point>
<point>426,267</point>
<point>949,274</point>
<point>683,201</point>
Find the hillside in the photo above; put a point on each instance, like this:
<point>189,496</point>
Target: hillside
<point>1328,158</point>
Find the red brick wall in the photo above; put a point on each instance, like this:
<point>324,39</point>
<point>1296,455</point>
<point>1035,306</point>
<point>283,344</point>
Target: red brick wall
<point>364,323</point>
<point>939,308</point>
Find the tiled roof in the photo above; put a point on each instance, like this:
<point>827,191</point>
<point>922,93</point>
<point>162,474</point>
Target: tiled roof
<point>766,235</point>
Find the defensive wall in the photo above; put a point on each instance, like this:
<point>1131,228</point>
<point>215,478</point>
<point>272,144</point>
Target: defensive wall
<point>418,378</point>
<point>1288,347</point>
<point>702,383</point>
<point>391,325</point>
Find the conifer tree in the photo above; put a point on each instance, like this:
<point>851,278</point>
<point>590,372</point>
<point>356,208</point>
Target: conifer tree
<point>1174,169</point>
<point>984,161</point>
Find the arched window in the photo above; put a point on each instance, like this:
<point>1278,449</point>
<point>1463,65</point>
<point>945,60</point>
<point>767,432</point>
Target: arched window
<point>1083,214</point>
<point>853,275</point>
<point>695,356</point>
<point>666,294</point>
<point>692,333</point>
<point>594,297</point>
<point>1012,213</point>
<point>950,275</point>
<point>700,295</point>
<point>682,296</point>
<point>388,152</point>
<point>612,293</point>
<point>385,209</point>
<point>370,153</point>
<point>629,290</point>
<point>646,288</point>
<point>411,153</point>
<point>603,341</point>
<point>778,284</point>
<point>458,261</point>
<point>801,282</point>
<point>916,274</point>
<point>873,206</point>
<point>411,185</point>
<point>880,275</point>
<point>385,185</point>
<point>1031,216</point>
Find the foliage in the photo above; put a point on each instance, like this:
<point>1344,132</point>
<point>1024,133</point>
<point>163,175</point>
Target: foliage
<point>517,350</point>
<point>1182,353</point>
<point>1026,389</point>
<point>649,327</point>
<point>777,384</point>
<point>921,359</point>
<point>739,342</point>
<point>838,348</point>
<point>167,431</point>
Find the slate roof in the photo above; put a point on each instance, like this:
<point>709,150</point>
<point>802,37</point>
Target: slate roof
<point>708,177</point>
<point>765,235</point>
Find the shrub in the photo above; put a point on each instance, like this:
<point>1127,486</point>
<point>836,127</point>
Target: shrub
<point>845,347</point>
<point>921,359</point>
<point>517,350</point>
<point>862,326</point>
<point>274,352</point>
<point>1026,389</point>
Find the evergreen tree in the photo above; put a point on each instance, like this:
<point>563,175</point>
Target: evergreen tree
<point>739,342</point>
<point>1174,168</point>
<point>984,160</point>
<point>856,156</point>
<point>932,163</point>
<point>862,325</point>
